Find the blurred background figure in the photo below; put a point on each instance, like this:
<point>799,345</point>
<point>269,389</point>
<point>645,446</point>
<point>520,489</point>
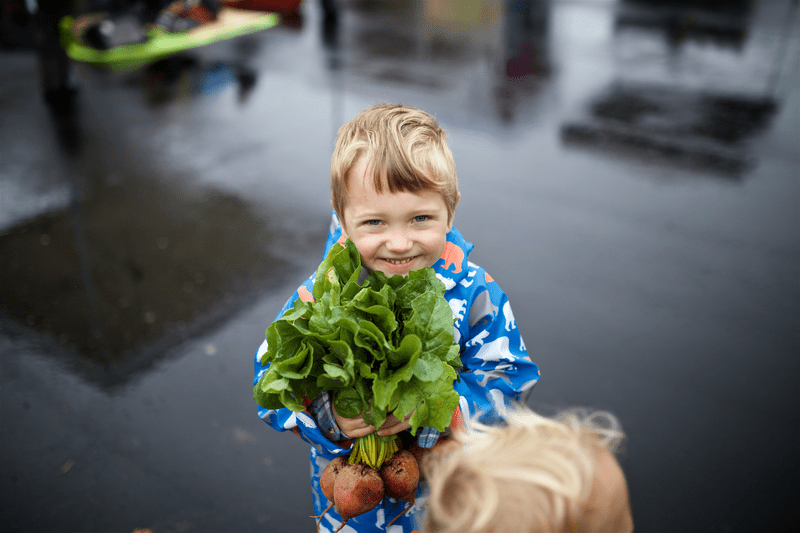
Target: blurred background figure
<point>530,474</point>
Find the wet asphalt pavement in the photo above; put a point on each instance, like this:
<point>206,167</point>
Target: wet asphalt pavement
<point>629,175</point>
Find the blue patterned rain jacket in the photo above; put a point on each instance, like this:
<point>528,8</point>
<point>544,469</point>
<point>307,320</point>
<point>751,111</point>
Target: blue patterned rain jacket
<point>496,369</point>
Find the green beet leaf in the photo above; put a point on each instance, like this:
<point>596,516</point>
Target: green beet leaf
<point>428,367</point>
<point>384,346</point>
<point>349,403</point>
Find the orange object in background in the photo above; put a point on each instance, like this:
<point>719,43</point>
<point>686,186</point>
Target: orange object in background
<point>279,6</point>
<point>202,13</point>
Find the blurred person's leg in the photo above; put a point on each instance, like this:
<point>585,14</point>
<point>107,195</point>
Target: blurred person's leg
<point>56,82</point>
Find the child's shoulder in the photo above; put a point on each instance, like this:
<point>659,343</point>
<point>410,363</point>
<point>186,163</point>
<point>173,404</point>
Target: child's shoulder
<point>458,272</point>
<point>454,264</point>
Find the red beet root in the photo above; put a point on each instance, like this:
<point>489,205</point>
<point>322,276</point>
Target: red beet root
<point>328,477</point>
<point>358,489</point>
<point>327,481</point>
<point>400,476</point>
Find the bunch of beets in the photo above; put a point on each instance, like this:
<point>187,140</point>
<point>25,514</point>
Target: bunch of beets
<point>355,487</point>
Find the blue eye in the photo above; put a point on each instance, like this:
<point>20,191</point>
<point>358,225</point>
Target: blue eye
<point>373,222</point>
<point>421,218</point>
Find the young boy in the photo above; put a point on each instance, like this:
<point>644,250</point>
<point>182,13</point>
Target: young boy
<point>394,193</point>
<point>530,475</point>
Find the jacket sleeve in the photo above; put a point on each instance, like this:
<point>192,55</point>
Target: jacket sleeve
<point>303,424</point>
<point>496,367</point>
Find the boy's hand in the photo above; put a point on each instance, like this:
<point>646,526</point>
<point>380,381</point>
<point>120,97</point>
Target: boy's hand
<point>393,425</point>
<point>352,427</point>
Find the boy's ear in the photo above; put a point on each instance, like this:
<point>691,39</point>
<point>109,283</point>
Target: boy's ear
<point>450,223</point>
<point>341,224</point>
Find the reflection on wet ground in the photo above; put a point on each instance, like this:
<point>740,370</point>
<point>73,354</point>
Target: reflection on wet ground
<point>183,74</point>
<point>690,129</point>
<point>724,23</point>
<point>153,222</point>
<point>144,264</point>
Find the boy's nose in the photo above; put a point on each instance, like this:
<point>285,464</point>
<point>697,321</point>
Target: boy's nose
<point>398,242</point>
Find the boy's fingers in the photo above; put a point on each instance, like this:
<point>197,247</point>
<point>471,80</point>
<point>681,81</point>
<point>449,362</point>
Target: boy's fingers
<point>361,432</point>
<point>391,420</point>
<point>393,429</point>
<point>356,425</point>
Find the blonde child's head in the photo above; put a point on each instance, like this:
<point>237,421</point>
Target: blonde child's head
<point>531,474</point>
<point>405,150</point>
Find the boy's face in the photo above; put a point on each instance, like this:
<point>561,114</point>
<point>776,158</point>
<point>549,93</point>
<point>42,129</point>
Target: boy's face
<point>394,233</point>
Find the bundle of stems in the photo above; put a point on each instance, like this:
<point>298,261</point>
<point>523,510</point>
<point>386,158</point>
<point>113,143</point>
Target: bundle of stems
<point>373,450</point>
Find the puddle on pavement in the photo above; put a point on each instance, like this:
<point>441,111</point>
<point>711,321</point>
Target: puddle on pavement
<point>134,269</point>
<point>694,129</point>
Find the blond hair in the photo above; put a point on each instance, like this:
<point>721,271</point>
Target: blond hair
<point>405,149</point>
<point>527,475</point>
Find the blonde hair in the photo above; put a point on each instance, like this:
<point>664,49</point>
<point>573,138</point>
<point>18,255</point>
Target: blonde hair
<point>405,149</point>
<point>526,475</point>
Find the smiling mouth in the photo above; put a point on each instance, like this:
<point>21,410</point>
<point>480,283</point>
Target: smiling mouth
<point>399,262</point>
